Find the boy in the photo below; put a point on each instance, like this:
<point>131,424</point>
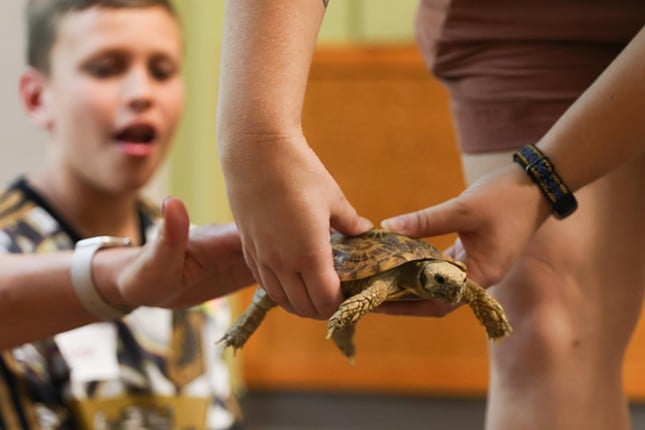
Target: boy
<point>109,107</point>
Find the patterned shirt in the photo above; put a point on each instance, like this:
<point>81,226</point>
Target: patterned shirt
<point>154,369</point>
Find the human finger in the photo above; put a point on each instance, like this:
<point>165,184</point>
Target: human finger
<point>323,286</point>
<point>270,282</point>
<point>146,280</point>
<point>456,250</point>
<point>295,290</point>
<point>176,223</point>
<point>448,217</point>
<point>345,219</point>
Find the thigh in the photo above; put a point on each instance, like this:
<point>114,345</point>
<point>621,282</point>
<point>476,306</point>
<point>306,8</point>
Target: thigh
<point>573,298</point>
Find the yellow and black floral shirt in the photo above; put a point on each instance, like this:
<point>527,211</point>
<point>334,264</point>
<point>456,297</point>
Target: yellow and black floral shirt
<point>154,369</point>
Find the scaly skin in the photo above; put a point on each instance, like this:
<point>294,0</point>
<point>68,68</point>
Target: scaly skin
<point>342,324</point>
<point>246,324</point>
<point>487,310</point>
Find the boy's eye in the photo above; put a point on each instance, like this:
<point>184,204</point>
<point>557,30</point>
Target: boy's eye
<point>105,68</point>
<point>162,69</point>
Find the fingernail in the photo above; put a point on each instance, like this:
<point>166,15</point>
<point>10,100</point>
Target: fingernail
<point>163,204</point>
<point>161,231</point>
<point>392,224</point>
<point>366,224</point>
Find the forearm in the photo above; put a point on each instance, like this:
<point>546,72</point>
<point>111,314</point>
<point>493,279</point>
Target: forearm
<point>266,54</point>
<point>605,127</point>
<point>36,296</point>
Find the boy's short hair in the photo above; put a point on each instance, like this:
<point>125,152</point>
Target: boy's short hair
<point>43,17</point>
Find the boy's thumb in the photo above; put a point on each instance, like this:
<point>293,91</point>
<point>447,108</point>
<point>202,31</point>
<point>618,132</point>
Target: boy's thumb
<point>161,258</point>
<point>173,231</point>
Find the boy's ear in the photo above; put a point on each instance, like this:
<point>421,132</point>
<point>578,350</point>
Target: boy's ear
<point>33,95</point>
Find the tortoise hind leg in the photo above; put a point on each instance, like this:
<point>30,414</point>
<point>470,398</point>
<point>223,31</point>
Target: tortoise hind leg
<point>343,337</point>
<point>246,324</point>
<point>487,310</point>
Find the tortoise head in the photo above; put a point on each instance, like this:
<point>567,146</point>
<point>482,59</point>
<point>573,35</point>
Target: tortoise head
<point>442,280</point>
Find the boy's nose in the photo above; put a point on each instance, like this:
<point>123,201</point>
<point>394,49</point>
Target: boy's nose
<point>140,104</point>
<point>139,90</point>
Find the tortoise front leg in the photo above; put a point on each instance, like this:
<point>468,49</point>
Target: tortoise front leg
<point>487,310</point>
<point>246,324</point>
<point>352,309</point>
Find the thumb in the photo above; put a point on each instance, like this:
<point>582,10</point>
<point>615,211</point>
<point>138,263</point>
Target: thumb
<point>444,218</point>
<point>346,220</point>
<point>166,252</point>
<point>161,260</point>
<point>173,230</point>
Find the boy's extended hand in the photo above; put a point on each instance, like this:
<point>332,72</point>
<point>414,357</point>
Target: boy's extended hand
<point>181,267</point>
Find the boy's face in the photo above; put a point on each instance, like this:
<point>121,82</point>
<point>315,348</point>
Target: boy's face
<point>114,94</point>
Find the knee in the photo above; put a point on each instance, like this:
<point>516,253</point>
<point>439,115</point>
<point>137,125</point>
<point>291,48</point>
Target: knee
<point>539,340</point>
<point>553,322</point>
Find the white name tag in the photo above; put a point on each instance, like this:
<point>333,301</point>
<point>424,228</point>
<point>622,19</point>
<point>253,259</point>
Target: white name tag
<point>90,352</point>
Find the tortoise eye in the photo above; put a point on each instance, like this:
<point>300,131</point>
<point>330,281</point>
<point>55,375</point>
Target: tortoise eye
<point>440,279</point>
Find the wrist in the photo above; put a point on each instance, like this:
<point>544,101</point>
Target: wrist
<point>541,170</point>
<point>98,301</point>
<point>531,195</point>
<point>107,267</point>
<point>248,132</point>
<point>239,152</point>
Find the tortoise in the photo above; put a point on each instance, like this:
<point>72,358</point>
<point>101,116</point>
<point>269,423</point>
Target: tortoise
<point>380,266</point>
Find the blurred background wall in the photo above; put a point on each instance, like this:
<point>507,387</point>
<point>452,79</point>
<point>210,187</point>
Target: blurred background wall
<point>22,145</point>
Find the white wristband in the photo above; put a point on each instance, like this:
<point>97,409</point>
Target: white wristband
<point>83,282</point>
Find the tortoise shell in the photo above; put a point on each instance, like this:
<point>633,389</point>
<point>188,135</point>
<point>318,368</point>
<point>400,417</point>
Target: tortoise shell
<point>362,256</point>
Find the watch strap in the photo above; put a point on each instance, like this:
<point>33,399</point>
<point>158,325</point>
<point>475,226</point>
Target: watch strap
<point>542,171</point>
<point>83,281</point>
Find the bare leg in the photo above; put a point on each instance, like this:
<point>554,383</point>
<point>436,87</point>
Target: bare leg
<point>573,298</point>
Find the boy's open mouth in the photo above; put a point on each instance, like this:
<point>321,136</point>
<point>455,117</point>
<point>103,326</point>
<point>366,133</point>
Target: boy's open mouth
<point>137,134</point>
<point>136,140</point>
